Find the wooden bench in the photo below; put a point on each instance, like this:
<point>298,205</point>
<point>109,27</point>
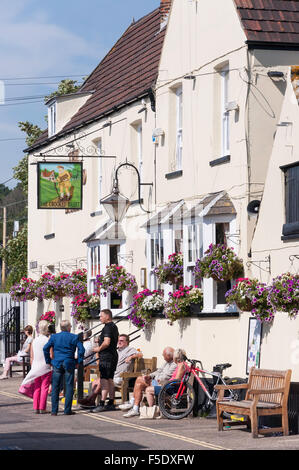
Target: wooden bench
<point>141,366</point>
<point>267,394</point>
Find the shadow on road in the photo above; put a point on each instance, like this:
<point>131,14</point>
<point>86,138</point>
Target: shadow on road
<point>58,441</point>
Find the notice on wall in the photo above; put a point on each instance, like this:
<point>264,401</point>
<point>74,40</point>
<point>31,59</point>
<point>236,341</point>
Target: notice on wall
<point>59,185</point>
<point>254,344</point>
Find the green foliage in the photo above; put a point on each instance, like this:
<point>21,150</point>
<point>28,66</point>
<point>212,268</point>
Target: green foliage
<point>20,172</point>
<point>64,88</point>
<point>4,191</point>
<point>32,130</point>
<point>15,257</point>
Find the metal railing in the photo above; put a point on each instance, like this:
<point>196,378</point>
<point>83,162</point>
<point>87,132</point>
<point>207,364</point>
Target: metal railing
<point>82,366</point>
<point>10,332</point>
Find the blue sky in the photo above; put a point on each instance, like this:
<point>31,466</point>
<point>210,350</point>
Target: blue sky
<point>46,39</point>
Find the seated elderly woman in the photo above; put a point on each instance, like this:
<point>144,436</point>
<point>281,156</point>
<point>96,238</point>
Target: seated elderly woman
<point>154,390</point>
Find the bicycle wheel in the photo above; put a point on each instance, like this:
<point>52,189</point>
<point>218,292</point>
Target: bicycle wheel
<point>172,407</point>
<point>237,394</point>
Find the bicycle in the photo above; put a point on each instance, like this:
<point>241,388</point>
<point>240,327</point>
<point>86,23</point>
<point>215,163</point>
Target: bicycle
<point>177,397</point>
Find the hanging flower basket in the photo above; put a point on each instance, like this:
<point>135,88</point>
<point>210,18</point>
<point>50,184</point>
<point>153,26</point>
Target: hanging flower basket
<point>172,271</point>
<point>76,283</point>
<point>219,263</point>
<point>116,280</point>
<point>24,290</point>
<point>146,304</point>
<point>283,294</point>
<point>252,296</point>
<point>244,305</point>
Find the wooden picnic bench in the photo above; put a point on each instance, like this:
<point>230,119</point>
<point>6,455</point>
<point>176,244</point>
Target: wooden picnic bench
<point>267,394</point>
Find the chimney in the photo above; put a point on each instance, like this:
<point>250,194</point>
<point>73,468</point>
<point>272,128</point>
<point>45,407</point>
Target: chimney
<point>165,6</point>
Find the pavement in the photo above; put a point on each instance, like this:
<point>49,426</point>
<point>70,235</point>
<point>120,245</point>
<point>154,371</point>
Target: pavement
<point>21,429</point>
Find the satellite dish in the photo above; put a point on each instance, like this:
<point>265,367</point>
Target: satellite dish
<point>253,207</point>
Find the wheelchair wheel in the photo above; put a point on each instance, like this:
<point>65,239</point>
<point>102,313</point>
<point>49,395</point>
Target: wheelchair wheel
<point>172,407</point>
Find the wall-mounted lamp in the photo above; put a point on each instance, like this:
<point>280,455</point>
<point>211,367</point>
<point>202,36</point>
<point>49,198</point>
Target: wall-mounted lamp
<point>275,74</point>
<point>190,77</point>
<point>143,108</point>
<point>117,205</point>
<point>107,124</point>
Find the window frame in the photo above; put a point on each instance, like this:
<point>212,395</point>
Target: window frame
<point>52,119</point>
<point>225,124</point>
<point>99,145</point>
<point>290,229</point>
<point>209,236</point>
<point>179,127</point>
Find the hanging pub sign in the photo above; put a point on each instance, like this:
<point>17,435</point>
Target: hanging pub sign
<point>59,185</point>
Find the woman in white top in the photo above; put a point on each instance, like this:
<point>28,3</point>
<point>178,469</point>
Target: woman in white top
<point>36,383</point>
<point>24,352</point>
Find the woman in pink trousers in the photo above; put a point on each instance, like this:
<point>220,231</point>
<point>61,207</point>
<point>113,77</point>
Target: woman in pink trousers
<point>36,383</point>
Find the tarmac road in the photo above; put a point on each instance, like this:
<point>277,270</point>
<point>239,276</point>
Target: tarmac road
<point>21,429</point>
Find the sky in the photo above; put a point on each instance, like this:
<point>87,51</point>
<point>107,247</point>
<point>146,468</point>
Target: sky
<point>55,40</point>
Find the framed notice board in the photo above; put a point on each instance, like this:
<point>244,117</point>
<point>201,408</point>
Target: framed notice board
<point>254,344</point>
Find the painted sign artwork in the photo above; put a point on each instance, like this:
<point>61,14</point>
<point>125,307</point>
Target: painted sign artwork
<point>59,185</point>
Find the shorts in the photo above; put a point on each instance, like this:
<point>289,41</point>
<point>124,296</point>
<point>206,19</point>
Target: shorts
<point>157,387</point>
<point>107,367</point>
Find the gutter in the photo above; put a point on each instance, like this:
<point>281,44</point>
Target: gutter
<point>272,45</point>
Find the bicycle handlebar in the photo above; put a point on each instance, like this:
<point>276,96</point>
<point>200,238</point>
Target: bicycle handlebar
<point>194,361</point>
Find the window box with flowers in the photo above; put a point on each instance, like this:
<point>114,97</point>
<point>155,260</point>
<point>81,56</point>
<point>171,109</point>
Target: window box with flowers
<point>172,271</point>
<point>219,263</point>
<point>49,316</point>
<point>182,302</point>
<point>94,305</point>
<point>51,319</point>
<point>146,304</point>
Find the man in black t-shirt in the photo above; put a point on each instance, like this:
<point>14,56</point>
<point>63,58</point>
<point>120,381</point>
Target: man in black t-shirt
<point>108,355</point>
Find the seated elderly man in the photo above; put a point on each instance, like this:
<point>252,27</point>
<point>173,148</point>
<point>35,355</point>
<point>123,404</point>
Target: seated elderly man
<point>126,355</point>
<point>179,357</point>
<point>157,378</point>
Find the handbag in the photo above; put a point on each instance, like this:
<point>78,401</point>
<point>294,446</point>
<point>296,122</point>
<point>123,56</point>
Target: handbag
<point>149,412</point>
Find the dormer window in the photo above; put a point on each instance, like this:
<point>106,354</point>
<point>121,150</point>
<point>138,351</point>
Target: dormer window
<point>52,119</point>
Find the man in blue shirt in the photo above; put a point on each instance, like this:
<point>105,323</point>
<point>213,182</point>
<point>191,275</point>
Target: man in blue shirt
<point>64,345</point>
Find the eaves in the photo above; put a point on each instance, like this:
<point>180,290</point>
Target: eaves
<point>61,134</point>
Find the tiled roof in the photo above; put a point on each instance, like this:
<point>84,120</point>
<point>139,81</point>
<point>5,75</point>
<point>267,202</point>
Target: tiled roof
<point>126,73</point>
<point>270,21</point>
